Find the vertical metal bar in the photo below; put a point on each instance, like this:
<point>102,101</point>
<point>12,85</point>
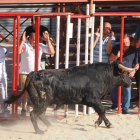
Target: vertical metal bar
<point>92,36</point>
<point>37,35</point>
<point>78,42</point>
<point>87,35</point>
<point>101,38</point>
<point>67,57</point>
<point>57,49</point>
<point>14,63</point>
<point>121,58</point>
<point>57,43</point>
<point>78,54</point>
<point>18,44</point>
<point>86,46</point>
<point>67,42</point>
<point>91,44</point>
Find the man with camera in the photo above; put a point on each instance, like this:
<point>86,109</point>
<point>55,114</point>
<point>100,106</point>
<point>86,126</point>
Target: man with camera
<point>108,42</point>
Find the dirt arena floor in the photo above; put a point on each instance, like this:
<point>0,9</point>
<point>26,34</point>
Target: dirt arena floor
<point>125,127</point>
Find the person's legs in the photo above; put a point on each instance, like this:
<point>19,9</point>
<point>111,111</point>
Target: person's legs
<point>25,95</point>
<point>126,98</point>
<point>24,100</point>
<point>3,96</point>
<point>114,97</point>
<point>136,98</point>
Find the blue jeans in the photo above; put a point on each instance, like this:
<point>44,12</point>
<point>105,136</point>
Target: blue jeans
<point>125,99</point>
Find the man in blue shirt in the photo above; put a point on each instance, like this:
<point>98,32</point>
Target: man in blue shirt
<point>108,43</point>
<point>130,57</point>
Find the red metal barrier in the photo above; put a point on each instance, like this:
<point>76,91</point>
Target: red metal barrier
<point>17,72</point>
<point>14,63</point>
<point>121,58</point>
<point>37,30</point>
<point>53,15</point>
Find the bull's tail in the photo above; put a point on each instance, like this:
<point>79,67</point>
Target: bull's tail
<point>13,98</point>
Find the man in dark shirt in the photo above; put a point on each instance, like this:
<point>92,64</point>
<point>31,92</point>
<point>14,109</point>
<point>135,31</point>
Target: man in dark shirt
<point>130,59</point>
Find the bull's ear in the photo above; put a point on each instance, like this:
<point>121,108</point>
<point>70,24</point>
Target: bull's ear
<point>120,71</point>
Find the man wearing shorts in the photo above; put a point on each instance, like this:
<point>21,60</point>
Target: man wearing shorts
<point>27,63</point>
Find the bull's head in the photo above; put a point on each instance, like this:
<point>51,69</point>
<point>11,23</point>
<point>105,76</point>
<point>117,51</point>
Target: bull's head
<point>122,73</point>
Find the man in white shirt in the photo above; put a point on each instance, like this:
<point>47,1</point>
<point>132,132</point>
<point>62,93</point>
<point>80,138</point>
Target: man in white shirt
<point>27,63</point>
<point>3,81</point>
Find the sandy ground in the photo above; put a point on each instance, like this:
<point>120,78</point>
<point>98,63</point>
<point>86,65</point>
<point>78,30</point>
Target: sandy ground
<point>126,127</point>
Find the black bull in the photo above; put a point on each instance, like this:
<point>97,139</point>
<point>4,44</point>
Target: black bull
<point>85,85</point>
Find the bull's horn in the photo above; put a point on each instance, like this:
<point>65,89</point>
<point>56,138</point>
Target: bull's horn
<point>120,66</point>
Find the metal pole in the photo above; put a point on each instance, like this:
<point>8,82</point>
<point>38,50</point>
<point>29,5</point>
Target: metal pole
<point>87,35</point>
<point>86,46</point>
<point>91,44</point>
<point>78,54</point>
<point>57,49</point>
<point>67,57</point>
<point>37,35</point>
<point>18,44</point>
<point>101,38</point>
<point>14,63</point>
<point>121,58</point>
<point>57,43</point>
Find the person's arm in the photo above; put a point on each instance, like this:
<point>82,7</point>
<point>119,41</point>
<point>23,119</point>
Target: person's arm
<point>110,42</point>
<point>23,39</point>
<point>132,73</point>
<point>97,35</point>
<point>47,39</point>
<point>113,57</point>
<point>95,40</point>
<point>50,48</point>
<point>136,61</point>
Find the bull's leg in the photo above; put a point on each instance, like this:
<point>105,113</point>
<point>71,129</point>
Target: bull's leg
<point>39,109</point>
<point>107,123</point>
<point>44,120</point>
<point>99,108</point>
<point>34,116</point>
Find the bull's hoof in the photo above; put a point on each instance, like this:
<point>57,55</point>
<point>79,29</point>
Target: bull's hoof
<point>109,125</point>
<point>39,132</point>
<point>96,124</point>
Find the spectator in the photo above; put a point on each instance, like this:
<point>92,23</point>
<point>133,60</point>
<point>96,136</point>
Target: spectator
<point>108,43</point>
<point>27,63</point>
<point>31,29</point>
<point>130,57</point>
<point>3,81</point>
<point>136,43</point>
